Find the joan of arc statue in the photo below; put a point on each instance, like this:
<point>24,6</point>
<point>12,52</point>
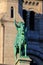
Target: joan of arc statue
<point>20,37</point>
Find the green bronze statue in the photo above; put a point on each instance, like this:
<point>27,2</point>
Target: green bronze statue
<point>20,37</point>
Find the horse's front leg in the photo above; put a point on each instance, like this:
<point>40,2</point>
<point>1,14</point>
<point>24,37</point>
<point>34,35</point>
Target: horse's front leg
<point>15,51</point>
<point>19,49</point>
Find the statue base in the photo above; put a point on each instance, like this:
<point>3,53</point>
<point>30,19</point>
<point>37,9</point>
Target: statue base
<point>23,61</point>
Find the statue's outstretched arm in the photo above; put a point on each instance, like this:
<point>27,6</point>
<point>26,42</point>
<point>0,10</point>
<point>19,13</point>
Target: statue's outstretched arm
<point>16,24</point>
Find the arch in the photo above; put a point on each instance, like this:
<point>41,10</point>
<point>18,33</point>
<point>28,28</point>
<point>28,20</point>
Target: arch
<point>12,12</point>
<point>34,9</point>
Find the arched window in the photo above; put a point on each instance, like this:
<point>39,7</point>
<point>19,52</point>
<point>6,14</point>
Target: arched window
<point>31,20</point>
<point>12,12</point>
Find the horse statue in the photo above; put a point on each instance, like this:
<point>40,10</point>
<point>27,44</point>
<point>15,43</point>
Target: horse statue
<point>20,38</point>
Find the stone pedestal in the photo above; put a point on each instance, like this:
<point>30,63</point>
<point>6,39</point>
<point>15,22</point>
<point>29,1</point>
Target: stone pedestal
<point>23,61</point>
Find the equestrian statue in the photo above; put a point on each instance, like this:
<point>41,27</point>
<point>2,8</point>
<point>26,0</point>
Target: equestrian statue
<point>20,40</point>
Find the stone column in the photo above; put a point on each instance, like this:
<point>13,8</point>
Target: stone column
<point>1,43</point>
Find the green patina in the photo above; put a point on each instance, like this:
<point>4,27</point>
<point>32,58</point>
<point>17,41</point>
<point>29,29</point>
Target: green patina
<point>20,38</point>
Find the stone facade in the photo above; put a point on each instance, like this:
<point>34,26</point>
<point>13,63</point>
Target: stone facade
<point>8,30</point>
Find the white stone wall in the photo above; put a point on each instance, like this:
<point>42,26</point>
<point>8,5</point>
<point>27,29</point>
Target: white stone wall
<point>10,34</point>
